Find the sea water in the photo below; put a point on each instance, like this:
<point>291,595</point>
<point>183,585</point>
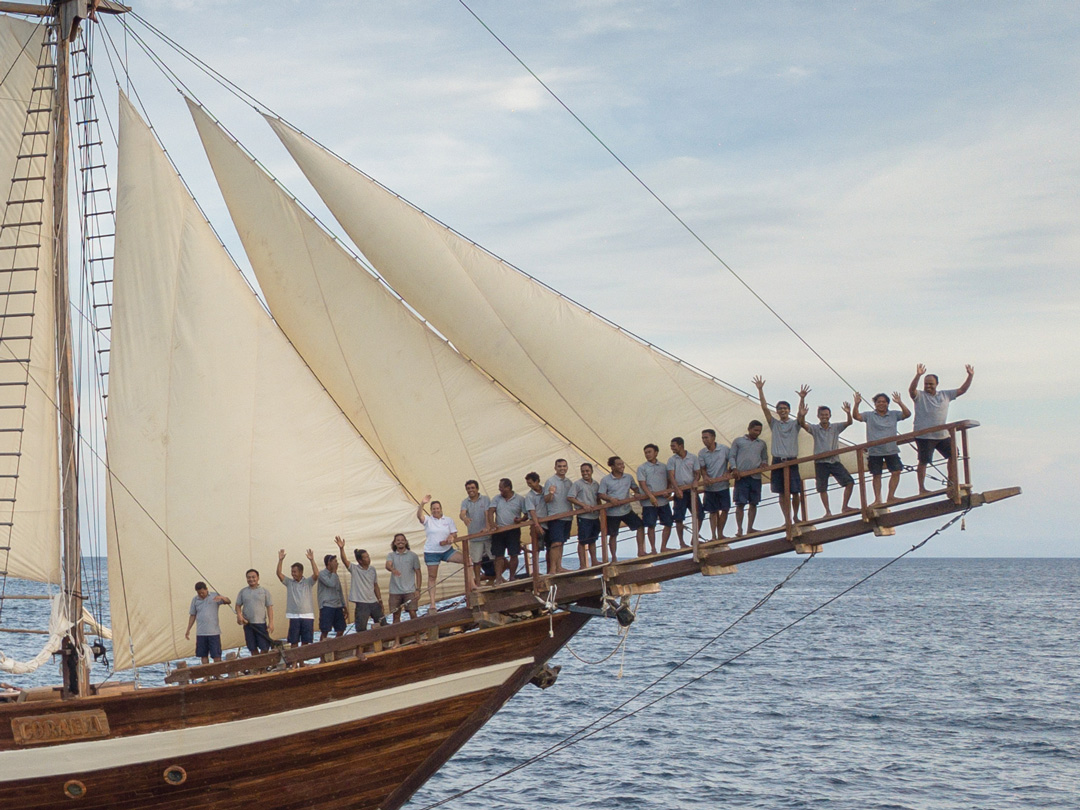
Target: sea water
<point>936,684</point>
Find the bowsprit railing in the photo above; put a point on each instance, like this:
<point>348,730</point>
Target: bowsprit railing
<point>795,527</point>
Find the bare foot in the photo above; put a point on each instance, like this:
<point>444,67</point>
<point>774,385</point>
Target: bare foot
<point>828,513</point>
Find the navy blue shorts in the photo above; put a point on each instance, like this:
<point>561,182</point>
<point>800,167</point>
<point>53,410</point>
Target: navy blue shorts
<point>650,515</point>
<point>558,532</point>
<point>588,531</point>
<point>257,638</point>
<point>301,631</point>
<point>681,506</point>
<point>208,647</point>
<point>776,478</point>
<point>506,542</point>
<point>630,520</point>
<point>332,618</point>
<point>892,462</point>
<point>824,469</point>
<point>928,446</point>
<point>748,490</point>
<point>717,501</point>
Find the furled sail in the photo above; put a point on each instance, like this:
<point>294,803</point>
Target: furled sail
<point>433,417</point>
<point>609,393</point>
<point>29,463</point>
<point>223,447</point>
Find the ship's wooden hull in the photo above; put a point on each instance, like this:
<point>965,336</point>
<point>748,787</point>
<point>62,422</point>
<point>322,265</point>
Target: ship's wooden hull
<point>357,733</point>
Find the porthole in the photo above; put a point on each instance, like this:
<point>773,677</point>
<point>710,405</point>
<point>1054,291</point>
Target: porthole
<point>175,775</point>
<point>74,789</point>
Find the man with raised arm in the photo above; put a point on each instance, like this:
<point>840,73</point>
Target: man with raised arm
<point>932,409</point>
<point>440,532</point>
<point>785,447</point>
<point>331,599</point>
<point>617,486</point>
<point>507,513</point>
<point>652,477</point>
<point>299,599</point>
<point>683,471</point>
<point>255,613</point>
<point>363,587</point>
<point>715,463</point>
<point>583,496</point>
<point>474,514</point>
<point>557,496</point>
<point>881,424</point>
<point>826,439</point>
<point>748,453</point>
<point>204,615</point>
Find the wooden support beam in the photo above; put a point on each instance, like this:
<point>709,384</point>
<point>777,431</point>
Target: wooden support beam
<point>613,571</point>
<point>30,9</point>
<point>717,570</point>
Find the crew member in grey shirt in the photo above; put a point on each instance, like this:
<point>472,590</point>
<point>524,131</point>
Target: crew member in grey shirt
<point>827,439</point>
<point>684,469</point>
<point>583,496</point>
<point>785,447</point>
<point>537,508</point>
<point>203,614</point>
<point>931,410</point>
<point>715,463</point>
<point>881,424</point>
<point>652,477</point>
<point>405,577</point>
<point>507,513</point>
<point>331,599</point>
<point>299,599</point>
<point>617,486</point>
<point>748,453</point>
<point>557,496</point>
<point>363,587</point>
<point>255,613</point>
<point>474,514</point>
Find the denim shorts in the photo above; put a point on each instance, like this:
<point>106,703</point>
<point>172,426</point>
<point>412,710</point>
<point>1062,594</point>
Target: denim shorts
<point>436,558</point>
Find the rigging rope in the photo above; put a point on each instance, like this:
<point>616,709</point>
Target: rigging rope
<point>592,728</point>
<point>686,226</point>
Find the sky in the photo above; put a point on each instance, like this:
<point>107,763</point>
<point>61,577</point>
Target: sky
<point>899,181</point>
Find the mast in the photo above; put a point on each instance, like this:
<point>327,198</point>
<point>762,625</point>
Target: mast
<point>76,671</point>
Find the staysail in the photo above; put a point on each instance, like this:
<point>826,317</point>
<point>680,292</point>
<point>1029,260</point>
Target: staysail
<point>607,391</point>
<point>29,455</point>
<point>433,417</point>
<point>223,447</point>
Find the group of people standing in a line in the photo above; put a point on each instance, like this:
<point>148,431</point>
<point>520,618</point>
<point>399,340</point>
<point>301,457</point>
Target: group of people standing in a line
<point>725,473</point>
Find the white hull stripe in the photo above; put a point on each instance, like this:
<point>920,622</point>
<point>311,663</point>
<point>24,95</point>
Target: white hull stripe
<point>96,755</point>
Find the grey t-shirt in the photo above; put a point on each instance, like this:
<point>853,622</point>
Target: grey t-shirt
<point>882,427</point>
<point>330,595</point>
<point>476,512</point>
<point>534,502</point>
<point>205,612</point>
<point>559,503</point>
<point>298,598</point>
<point>826,439</point>
<point>362,583</point>
<point>785,438</point>
<point>749,454</point>
<point>933,409</point>
<point>618,489</point>
<point>407,564</point>
<point>586,493</point>
<point>253,603</point>
<point>684,468</point>
<point>715,464</point>
<point>653,475</point>
<point>508,510</point>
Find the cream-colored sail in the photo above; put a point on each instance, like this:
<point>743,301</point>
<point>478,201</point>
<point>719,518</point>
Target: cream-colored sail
<point>605,390</point>
<point>223,447</point>
<point>433,417</point>
<point>29,471</point>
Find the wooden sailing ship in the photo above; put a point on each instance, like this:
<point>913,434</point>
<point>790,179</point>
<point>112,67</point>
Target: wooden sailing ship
<point>233,432</point>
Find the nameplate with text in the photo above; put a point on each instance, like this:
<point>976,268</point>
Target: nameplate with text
<point>48,728</point>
